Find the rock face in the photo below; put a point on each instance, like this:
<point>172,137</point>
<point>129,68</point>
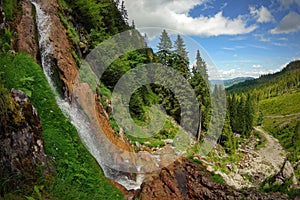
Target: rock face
<point>27,30</point>
<point>62,57</point>
<point>62,60</point>
<point>22,153</point>
<point>187,180</point>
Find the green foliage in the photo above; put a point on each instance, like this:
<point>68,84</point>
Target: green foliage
<point>9,6</point>
<point>262,140</point>
<point>281,118</point>
<point>271,85</point>
<point>6,41</point>
<point>77,176</point>
<point>218,178</point>
<point>270,185</point>
<point>97,19</point>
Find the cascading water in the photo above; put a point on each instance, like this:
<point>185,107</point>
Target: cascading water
<point>87,130</point>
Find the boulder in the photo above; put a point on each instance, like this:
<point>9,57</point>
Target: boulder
<point>22,153</point>
<point>185,179</point>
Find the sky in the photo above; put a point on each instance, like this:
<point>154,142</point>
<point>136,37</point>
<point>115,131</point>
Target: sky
<point>236,38</point>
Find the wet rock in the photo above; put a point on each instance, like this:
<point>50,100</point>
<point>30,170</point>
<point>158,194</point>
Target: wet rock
<point>26,29</point>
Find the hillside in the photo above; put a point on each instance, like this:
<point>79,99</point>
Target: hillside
<point>272,84</point>
<point>62,69</point>
<point>230,82</point>
<point>277,98</point>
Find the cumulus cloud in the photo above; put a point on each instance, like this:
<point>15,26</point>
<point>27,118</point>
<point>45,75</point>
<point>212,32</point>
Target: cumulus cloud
<point>290,23</point>
<point>234,73</point>
<point>174,14</point>
<point>286,4</point>
<point>262,15</point>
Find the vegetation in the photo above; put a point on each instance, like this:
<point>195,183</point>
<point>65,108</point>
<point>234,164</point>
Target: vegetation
<point>274,106</point>
<point>95,21</point>
<point>76,174</point>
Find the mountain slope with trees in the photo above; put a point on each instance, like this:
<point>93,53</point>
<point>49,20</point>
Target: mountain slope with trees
<point>275,106</point>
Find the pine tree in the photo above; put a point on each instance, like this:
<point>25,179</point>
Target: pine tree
<point>180,57</point>
<point>124,12</point>
<point>201,90</point>
<point>164,49</point>
<point>180,48</point>
<point>248,115</point>
<point>165,43</point>
<point>201,66</point>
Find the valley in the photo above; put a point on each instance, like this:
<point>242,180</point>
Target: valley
<point>107,115</point>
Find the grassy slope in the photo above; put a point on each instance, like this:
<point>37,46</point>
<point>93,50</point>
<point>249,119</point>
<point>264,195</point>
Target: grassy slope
<point>77,176</point>
<point>281,115</point>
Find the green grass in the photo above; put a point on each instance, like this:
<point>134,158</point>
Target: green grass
<point>9,5</point>
<point>281,115</point>
<point>77,174</point>
<point>281,105</point>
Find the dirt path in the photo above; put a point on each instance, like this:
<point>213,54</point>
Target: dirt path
<point>273,152</point>
<point>282,116</point>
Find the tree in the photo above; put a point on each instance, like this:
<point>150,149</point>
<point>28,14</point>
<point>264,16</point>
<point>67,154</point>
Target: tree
<point>249,115</point>
<point>227,138</point>
<point>124,12</point>
<point>165,43</point>
<point>180,48</point>
<point>201,90</point>
<point>180,57</point>
<point>201,66</point>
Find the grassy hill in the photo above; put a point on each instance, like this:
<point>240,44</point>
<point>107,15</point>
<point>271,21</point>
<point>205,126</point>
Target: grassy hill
<point>230,82</point>
<point>272,84</point>
<point>76,174</point>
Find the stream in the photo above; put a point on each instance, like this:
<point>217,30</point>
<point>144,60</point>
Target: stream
<point>89,132</point>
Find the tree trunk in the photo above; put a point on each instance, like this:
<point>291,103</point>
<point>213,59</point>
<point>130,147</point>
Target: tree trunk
<point>200,125</point>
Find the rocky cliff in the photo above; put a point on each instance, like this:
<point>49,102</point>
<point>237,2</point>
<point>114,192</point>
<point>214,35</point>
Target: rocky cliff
<point>64,65</point>
<point>22,156</point>
<point>185,179</point>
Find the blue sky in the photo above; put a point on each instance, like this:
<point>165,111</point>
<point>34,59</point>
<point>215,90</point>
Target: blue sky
<point>242,38</point>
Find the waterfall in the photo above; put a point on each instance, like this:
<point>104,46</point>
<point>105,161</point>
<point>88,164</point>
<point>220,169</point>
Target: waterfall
<point>88,132</point>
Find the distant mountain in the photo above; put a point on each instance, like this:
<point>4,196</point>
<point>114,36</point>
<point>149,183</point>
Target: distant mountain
<point>272,84</point>
<point>230,82</point>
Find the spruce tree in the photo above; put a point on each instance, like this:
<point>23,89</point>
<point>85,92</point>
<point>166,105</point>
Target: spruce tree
<point>164,49</point>
<point>201,89</point>
<point>180,49</point>
<point>180,57</point>
<point>201,66</point>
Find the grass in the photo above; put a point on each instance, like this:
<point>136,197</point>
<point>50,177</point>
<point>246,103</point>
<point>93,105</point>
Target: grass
<point>77,174</point>
<point>9,6</point>
<point>281,105</point>
<point>281,115</point>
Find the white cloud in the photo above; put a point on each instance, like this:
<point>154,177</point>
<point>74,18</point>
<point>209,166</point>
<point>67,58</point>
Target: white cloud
<point>234,73</point>
<point>256,66</point>
<point>262,38</point>
<point>228,48</point>
<point>262,15</point>
<point>235,55</point>
<point>286,4</point>
<point>174,14</point>
<point>283,39</point>
<point>290,23</point>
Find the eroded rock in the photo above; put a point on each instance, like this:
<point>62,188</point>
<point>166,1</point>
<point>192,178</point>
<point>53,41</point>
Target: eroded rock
<point>22,153</point>
<point>188,180</point>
